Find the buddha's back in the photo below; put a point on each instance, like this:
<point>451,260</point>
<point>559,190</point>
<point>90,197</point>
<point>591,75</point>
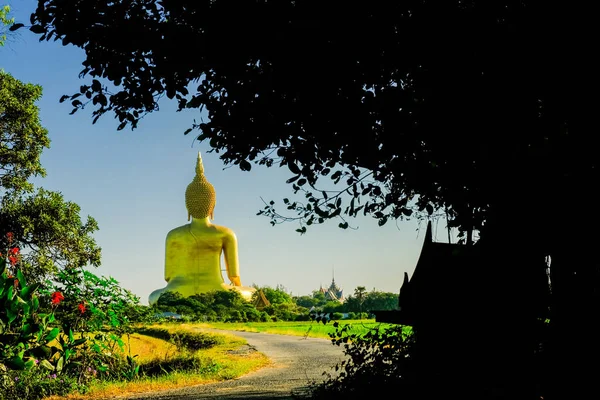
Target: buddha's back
<point>193,258</point>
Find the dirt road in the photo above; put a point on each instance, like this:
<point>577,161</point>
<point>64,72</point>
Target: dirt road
<point>297,361</point>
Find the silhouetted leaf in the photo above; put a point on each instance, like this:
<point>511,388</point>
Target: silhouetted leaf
<point>294,168</point>
<point>37,29</point>
<point>14,27</point>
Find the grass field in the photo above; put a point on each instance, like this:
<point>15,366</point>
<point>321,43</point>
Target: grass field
<point>300,328</point>
<point>231,364</point>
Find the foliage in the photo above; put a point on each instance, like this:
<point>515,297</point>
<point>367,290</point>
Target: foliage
<point>4,21</point>
<point>36,384</point>
<point>47,228</point>
<point>218,305</point>
<point>29,335</point>
<point>371,102</point>
<point>51,231</point>
<point>308,301</point>
<point>221,306</point>
<point>103,303</point>
<point>370,301</point>
<point>381,358</point>
<point>22,137</point>
<point>276,295</point>
<point>62,332</point>
<point>182,338</point>
<point>98,309</point>
<point>25,332</point>
<point>183,362</point>
<point>357,303</point>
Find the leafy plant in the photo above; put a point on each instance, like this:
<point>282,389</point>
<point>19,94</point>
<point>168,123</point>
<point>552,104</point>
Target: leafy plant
<point>25,332</point>
<point>96,309</point>
<point>381,358</point>
<point>29,334</point>
<point>48,228</point>
<point>4,20</point>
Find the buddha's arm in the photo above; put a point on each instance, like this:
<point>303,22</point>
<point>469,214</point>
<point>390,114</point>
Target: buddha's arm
<point>169,256</point>
<point>230,251</point>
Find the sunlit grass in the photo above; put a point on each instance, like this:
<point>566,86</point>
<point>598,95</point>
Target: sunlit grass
<point>229,355</point>
<point>233,362</point>
<point>297,328</point>
<point>147,348</point>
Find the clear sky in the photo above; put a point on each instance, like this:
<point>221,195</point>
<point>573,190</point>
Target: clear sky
<point>133,184</point>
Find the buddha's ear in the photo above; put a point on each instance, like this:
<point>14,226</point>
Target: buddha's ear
<point>188,215</point>
<point>212,215</point>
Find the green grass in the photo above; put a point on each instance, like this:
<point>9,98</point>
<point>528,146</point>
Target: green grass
<point>224,353</point>
<point>225,358</point>
<point>299,328</point>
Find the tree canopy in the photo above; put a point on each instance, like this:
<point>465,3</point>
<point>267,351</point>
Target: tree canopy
<point>22,137</point>
<point>48,230</point>
<point>445,103</point>
<point>4,22</point>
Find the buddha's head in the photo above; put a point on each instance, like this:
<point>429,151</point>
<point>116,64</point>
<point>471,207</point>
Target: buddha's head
<point>200,195</point>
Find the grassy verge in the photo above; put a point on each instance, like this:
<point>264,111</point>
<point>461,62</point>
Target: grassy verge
<point>186,358</point>
<point>182,354</point>
<point>300,328</point>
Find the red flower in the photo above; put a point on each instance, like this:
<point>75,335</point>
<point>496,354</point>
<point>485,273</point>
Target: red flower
<point>12,260</point>
<point>14,251</point>
<point>81,307</point>
<point>57,297</point>
<point>9,236</point>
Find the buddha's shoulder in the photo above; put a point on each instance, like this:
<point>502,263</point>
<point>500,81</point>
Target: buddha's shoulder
<point>224,230</point>
<point>179,231</point>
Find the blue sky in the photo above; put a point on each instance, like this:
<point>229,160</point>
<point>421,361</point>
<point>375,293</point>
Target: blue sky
<point>133,184</point>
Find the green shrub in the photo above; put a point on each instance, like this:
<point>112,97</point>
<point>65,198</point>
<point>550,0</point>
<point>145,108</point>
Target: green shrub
<point>183,339</point>
<point>381,358</point>
<point>264,317</point>
<point>182,362</point>
<point>36,384</point>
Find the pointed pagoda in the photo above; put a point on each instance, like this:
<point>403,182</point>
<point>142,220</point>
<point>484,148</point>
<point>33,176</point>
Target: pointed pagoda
<point>333,292</point>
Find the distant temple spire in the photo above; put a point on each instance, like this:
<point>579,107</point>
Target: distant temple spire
<point>333,292</point>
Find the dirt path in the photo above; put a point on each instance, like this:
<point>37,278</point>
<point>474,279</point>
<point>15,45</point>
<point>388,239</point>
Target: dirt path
<point>297,361</point>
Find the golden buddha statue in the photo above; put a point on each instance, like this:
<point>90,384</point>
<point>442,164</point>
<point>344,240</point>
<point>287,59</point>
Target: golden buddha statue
<point>193,251</point>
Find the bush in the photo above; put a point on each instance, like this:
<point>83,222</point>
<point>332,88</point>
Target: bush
<point>264,317</point>
<point>183,362</point>
<point>36,384</point>
<point>302,317</point>
<point>183,339</point>
<point>337,316</point>
<point>382,358</point>
<point>56,337</point>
